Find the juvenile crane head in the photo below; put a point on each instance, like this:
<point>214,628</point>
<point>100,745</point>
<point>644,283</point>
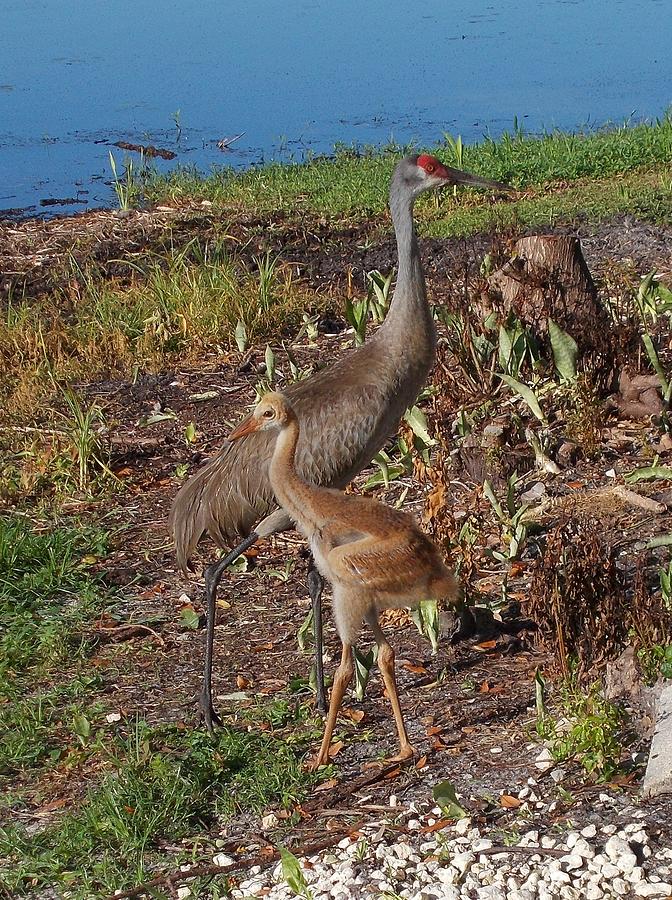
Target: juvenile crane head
<point>272,411</point>
<point>422,172</point>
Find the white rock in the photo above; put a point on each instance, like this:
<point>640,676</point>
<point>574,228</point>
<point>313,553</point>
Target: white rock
<point>648,889</point>
<point>570,893</point>
<point>547,842</point>
<point>589,831</point>
<point>583,848</point>
<point>609,870</point>
<point>462,861</point>
<point>221,859</point>
<point>462,826</point>
<point>572,861</point>
<point>269,821</point>
<point>529,839</point>
<point>558,775</point>
<point>608,829</point>
<point>593,892</point>
<point>183,893</point>
<point>544,760</point>
<point>620,887</point>
<point>559,876</point>
<point>482,844</point>
<point>641,837</point>
<point>616,848</point>
<point>636,875</point>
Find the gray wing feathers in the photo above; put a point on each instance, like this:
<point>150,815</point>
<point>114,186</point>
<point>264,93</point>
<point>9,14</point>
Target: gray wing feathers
<point>346,412</point>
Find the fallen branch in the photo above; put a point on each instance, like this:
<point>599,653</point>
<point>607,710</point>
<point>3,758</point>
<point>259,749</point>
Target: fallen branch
<point>263,860</point>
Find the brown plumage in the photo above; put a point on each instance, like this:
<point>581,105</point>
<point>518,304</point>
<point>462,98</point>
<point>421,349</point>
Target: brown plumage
<point>347,411</point>
<point>374,557</point>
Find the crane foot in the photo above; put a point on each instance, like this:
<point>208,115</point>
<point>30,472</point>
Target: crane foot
<point>209,716</point>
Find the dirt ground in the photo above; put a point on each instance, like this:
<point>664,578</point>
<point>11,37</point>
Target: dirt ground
<point>470,708</point>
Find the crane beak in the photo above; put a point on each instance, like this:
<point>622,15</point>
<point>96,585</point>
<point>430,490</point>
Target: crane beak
<point>457,176</point>
<point>247,426</point>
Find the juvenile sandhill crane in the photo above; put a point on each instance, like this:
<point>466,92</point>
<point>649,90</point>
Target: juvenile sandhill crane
<point>374,557</point>
<point>347,411</point>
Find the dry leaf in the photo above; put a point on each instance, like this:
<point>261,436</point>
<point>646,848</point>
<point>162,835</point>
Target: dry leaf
<point>335,749</point>
<point>355,715</point>
<point>242,682</point>
<point>484,688</point>
<point>437,826</point>
<point>508,802</point>
<point>486,645</point>
<point>416,669</point>
<point>421,763</point>
<point>393,774</point>
<point>326,785</point>
<point>48,807</point>
<point>434,729</point>
<point>259,648</point>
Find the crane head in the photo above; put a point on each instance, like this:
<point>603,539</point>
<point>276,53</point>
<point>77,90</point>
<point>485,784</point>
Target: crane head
<point>272,411</point>
<point>424,171</point>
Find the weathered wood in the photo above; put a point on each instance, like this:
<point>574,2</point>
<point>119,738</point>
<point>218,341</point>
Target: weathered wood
<point>548,277</point>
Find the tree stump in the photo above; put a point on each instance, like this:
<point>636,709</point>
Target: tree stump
<point>548,277</point>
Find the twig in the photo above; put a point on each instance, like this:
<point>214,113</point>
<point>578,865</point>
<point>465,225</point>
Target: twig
<point>549,851</point>
<point>346,790</point>
<point>263,860</point>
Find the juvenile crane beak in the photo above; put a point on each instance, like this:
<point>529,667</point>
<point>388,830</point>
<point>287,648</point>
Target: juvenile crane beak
<point>247,426</point>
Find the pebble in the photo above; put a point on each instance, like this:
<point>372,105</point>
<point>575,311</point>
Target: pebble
<point>599,864</point>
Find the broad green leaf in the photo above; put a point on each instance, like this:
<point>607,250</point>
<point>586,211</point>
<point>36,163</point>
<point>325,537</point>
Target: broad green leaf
<point>446,798</point>
<point>648,472</point>
<point>190,433</point>
<point>363,664</point>
<point>189,618</point>
<point>664,540</point>
<point>292,874</point>
<point>154,418</point>
<point>205,395</point>
<point>540,694</point>
<point>505,348</point>
<point>269,359</point>
<point>81,727</point>
<point>527,394</point>
<point>240,335</point>
<point>305,632</point>
<point>655,362</point>
<point>418,422</point>
<point>489,493</point>
<point>426,618</point>
<point>565,351</point>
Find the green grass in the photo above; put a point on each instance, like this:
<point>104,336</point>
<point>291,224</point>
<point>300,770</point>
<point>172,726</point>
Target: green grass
<point>48,598</point>
<point>161,785</point>
<point>354,184</point>
<point>140,787</point>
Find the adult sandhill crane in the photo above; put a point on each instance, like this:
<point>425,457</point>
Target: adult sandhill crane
<point>347,411</point>
<point>374,557</point>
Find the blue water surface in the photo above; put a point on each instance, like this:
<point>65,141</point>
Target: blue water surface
<point>302,75</point>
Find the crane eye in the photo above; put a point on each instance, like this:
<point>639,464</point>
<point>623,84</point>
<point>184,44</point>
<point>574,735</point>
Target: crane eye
<point>430,168</point>
<point>268,414</point>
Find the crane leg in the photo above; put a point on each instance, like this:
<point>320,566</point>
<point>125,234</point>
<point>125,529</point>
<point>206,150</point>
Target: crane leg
<point>386,666</point>
<point>213,575</point>
<point>342,678</point>
<point>315,588</point>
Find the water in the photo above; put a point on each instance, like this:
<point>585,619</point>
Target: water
<point>302,75</point>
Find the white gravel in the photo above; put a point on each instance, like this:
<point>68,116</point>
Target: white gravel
<point>597,862</point>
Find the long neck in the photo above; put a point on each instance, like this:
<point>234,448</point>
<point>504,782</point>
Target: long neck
<point>295,495</point>
<point>409,313</point>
